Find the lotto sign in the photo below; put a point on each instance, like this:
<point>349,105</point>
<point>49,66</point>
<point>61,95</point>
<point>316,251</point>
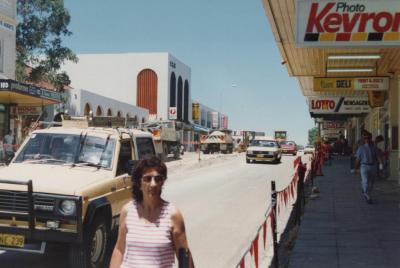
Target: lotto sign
<point>172,113</point>
<point>343,105</point>
<point>348,23</point>
<point>350,83</point>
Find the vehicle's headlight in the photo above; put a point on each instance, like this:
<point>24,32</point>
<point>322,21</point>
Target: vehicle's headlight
<point>67,207</point>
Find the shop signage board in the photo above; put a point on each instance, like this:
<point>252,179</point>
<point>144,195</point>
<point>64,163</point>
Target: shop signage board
<point>26,110</point>
<point>214,116</point>
<point>332,125</point>
<point>26,89</point>
<point>340,105</point>
<point>376,98</point>
<point>331,133</point>
<point>348,23</point>
<point>351,83</point>
<point>196,111</point>
<point>172,113</point>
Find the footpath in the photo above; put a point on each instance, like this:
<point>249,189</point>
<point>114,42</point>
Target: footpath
<point>339,228</point>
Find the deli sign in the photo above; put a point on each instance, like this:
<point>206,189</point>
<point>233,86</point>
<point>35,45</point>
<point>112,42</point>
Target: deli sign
<point>342,105</point>
<point>351,83</point>
<point>348,23</point>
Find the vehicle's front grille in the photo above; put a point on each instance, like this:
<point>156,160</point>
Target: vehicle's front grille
<point>262,152</point>
<point>17,201</point>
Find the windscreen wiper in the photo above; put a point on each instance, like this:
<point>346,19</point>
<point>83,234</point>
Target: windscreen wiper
<point>104,149</point>
<point>87,164</point>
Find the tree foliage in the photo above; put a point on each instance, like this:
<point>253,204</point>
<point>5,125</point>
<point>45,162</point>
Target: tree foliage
<point>42,25</point>
<point>312,135</point>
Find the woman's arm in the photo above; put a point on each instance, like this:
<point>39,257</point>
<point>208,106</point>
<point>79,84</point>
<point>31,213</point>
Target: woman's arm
<point>119,250</point>
<point>179,235</point>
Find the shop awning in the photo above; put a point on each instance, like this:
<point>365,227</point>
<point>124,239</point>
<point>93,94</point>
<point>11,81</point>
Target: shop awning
<point>28,95</point>
<point>325,58</point>
<point>199,128</point>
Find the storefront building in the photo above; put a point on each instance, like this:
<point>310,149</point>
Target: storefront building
<point>79,102</point>
<point>21,106</point>
<point>346,56</point>
<point>157,82</point>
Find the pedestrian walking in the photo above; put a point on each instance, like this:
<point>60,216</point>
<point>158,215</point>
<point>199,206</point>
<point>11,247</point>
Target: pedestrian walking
<point>151,229</point>
<point>380,146</point>
<point>367,159</point>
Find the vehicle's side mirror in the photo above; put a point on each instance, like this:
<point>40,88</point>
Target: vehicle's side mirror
<point>130,166</point>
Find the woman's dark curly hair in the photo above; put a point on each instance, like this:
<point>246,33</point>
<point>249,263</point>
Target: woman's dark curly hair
<point>144,165</point>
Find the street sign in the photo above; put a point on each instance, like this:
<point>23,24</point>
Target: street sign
<point>172,113</point>
<point>351,83</point>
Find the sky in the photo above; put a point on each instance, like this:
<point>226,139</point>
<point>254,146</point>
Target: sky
<point>228,44</point>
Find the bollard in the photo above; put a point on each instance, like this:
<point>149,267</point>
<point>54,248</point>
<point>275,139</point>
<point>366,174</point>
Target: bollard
<point>183,258</point>
<point>274,224</point>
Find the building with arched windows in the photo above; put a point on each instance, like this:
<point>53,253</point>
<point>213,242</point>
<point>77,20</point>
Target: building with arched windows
<point>157,82</point>
<point>83,102</point>
<point>154,81</point>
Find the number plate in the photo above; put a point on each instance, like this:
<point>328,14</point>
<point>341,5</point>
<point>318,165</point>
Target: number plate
<point>12,240</point>
<point>260,155</point>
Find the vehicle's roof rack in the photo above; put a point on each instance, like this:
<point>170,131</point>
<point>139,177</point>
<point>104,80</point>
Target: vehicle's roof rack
<point>98,121</point>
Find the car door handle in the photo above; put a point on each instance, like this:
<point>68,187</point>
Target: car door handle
<point>113,189</point>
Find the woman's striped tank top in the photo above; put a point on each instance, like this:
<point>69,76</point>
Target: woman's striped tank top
<point>149,244</point>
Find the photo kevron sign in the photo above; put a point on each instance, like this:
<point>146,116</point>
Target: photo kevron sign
<point>351,83</point>
<point>341,105</point>
<point>348,23</point>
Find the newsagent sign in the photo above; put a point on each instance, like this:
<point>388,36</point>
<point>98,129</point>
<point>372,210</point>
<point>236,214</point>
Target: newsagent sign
<point>342,105</point>
<point>351,83</point>
<point>333,125</point>
<point>348,23</point>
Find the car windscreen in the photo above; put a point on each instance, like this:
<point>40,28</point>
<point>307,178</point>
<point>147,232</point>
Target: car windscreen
<point>67,149</point>
<point>264,143</point>
<point>291,143</point>
<point>145,147</point>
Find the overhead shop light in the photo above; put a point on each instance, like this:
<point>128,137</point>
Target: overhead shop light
<point>354,57</point>
<point>350,70</point>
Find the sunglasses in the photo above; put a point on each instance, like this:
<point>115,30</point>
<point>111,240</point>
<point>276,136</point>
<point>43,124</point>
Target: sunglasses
<point>157,178</point>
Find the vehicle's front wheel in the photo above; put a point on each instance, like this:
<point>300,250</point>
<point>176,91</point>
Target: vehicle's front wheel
<point>247,160</point>
<point>92,252</point>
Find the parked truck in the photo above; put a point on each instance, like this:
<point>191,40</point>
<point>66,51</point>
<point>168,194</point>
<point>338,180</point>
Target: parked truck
<point>166,137</point>
<point>280,135</point>
<point>218,141</point>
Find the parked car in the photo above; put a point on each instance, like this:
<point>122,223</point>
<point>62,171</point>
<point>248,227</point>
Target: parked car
<point>289,147</point>
<point>264,149</point>
<point>68,185</point>
<point>309,149</point>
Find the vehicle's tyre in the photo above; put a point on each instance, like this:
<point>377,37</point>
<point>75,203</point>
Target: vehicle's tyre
<point>295,153</point>
<point>247,161</point>
<point>92,252</point>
